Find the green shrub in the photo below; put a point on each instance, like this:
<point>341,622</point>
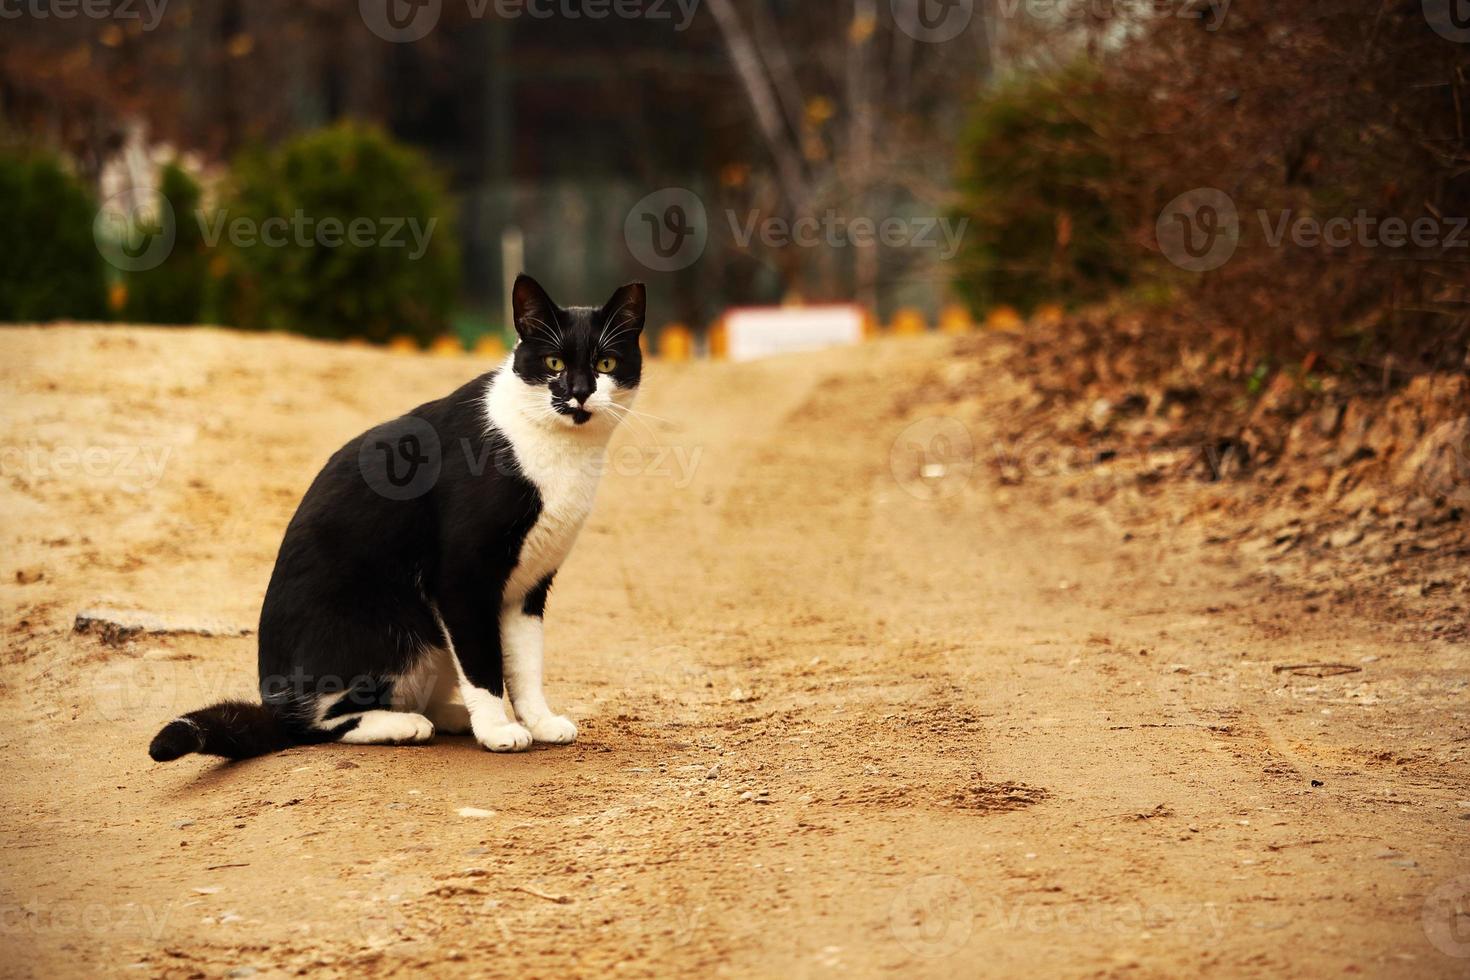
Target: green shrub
<point>50,268</point>
<point>319,282</point>
<point>174,291</point>
<point>1035,165</point>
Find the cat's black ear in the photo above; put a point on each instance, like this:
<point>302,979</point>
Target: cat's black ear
<point>534,311</point>
<point>627,308</point>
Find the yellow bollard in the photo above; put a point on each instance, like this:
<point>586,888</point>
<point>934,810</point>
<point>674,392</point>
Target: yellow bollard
<point>490,345</point>
<point>1004,319</point>
<point>1050,315</point>
<point>908,322</point>
<point>718,341</point>
<point>403,344</point>
<point>872,329</point>
<point>675,343</point>
<point>117,297</point>
<point>955,319</point>
<point>446,346</point>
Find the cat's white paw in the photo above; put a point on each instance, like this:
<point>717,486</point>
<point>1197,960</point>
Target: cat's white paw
<point>389,728</point>
<point>555,730</point>
<point>505,738</point>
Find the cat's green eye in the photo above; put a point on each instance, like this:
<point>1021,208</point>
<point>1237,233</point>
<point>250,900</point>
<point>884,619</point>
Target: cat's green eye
<point>607,365</point>
<point>556,364</point>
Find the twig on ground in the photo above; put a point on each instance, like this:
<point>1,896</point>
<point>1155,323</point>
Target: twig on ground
<point>558,899</point>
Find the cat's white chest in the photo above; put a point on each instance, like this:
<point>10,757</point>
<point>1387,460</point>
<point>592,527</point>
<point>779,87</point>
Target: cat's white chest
<point>564,465</point>
<point>568,489</point>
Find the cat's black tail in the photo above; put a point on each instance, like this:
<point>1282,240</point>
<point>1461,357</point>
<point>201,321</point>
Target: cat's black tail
<point>233,729</point>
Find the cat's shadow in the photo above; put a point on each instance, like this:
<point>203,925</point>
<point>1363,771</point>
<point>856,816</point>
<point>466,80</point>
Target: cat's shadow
<point>339,758</point>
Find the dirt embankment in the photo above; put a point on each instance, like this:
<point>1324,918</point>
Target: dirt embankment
<point>859,692</point>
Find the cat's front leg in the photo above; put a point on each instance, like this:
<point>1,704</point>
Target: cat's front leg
<point>521,632</point>
<point>492,726</point>
<point>475,645</point>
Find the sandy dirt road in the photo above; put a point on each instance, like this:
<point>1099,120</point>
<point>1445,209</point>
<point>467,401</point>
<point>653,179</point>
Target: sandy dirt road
<point>830,726</point>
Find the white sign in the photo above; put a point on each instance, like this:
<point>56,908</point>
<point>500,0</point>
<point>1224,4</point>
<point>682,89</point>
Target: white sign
<point>762,332</point>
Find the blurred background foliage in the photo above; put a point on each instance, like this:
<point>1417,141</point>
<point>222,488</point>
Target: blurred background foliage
<point>1059,131</point>
<point>1037,163</point>
<point>51,267</point>
<point>400,282</point>
<point>175,292</point>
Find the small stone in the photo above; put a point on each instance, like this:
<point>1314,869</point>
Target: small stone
<point>243,971</point>
<point>475,813</point>
<point>1345,538</point>
<point>181,824</point>
<point>747,795</point>
<point>207,890</point>
<point>714,772</point>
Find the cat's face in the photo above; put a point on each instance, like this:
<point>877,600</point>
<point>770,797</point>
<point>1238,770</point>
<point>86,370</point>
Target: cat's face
<point>585,360</point>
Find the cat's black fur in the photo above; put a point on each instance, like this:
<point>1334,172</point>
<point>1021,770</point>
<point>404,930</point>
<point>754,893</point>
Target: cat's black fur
<point>361,572</point>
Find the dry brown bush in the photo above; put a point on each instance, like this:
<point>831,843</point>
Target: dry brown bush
<point>1319,109</point>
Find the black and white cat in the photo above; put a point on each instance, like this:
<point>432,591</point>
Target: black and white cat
<point>411,586</point>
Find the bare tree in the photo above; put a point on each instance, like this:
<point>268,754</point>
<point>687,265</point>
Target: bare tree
<point>856,114</point>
